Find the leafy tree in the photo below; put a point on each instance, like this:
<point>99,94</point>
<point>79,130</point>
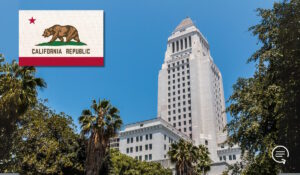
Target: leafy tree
<point>189,159</point>
<point>265,108</point>
<point>46,143</point>
<point>125,165</point>
<point>99,126</point>
<point>18,92</point>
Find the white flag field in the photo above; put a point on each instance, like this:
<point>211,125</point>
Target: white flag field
<point>61,37</point>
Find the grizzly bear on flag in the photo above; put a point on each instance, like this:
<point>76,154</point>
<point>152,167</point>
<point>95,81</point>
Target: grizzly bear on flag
<point>58,31</point>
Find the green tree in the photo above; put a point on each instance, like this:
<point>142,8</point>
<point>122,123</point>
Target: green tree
<point>125,165</point>
<point>18,92</point>
<point>265,108</point>
<point>46,143</point>
<point>98,127</point>
<point>189,159</point>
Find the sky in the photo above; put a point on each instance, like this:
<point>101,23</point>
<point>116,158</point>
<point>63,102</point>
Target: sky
<point>135,41</point>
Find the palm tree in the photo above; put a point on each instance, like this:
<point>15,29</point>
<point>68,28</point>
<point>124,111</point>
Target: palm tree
<point>203,160</point>
<point>189,159</point>
<point>18,92</point>
<point>99,125</point>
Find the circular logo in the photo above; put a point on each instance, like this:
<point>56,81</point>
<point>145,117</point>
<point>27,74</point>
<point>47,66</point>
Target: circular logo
<point>280,154</point>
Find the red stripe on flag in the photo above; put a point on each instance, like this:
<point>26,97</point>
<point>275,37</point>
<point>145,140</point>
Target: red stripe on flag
<point>61,61</point>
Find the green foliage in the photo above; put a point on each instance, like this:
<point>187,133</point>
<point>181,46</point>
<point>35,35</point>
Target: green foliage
<point>265,107</point>
<point>98,126</point>
<point>18,92</point>
<point>189,159</point>
<point>124,165</point>
<point>45,143</point>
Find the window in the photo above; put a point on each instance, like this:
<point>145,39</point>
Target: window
<point>224,158</point>
<point>206,142</point>
<point>177,45</point>
<point>150,146</point>
<point>174,118</point>
<point>146,147</point>
<point>190,128</point>
<point>181,44</point>
<point>131,139</point>
<point>169,119</point>
<point>141,148</point>
<point>173,47</point>
<point>190,41</point>
<point>137,138</point>
<point>185,42</point>
<point>179,117</point>
<point>150,136</point>
<point>190,114</point>
<point>230,157</point>
<point>128,140</point>
<point>146,157</point>
<point>141,138</point>
<point>174,124</point>
<point>150,156</point>
<point>184,129</point>
<point>136,149</point>
<point>234,158</point>
<point>165,137</point>
<point>131,149</point>
<point>220,158</point>
<point>146,136</point>
<point>184,122</point>
<point>140,157</point>
<point>179,123</point>
<point>136,157</point>
<point>190,121</point>
<point>127,150</point>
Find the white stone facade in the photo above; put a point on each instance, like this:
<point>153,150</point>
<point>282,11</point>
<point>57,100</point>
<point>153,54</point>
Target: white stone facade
<point>149,140</point>
<point>190,105</point>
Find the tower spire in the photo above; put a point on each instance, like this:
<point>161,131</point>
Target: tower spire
<point>185,23</point>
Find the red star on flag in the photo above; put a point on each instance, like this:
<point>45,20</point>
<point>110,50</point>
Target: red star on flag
<point>31,20</point>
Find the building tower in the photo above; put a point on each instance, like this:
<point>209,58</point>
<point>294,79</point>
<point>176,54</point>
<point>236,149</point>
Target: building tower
<point>190,88</point>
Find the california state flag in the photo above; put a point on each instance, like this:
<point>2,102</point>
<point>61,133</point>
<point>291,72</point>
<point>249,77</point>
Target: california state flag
<point>61,37</point>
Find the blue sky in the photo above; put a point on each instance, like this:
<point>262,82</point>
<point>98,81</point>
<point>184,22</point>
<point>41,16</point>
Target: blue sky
<point>136,33</point>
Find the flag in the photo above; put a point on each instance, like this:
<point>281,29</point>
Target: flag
<point>61,38</point>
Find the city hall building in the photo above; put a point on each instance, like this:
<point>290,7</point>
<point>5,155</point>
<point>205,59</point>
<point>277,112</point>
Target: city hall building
<point>190,105</point>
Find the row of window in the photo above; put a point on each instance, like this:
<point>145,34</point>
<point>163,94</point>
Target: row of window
<point>147,157</point>
<point>139,148</point>
<point>178,63</point>
<point>184,129</point>
<point>179,110</point>
<point>178,69</point>
<point>183,78</point>
<point>181,44</point>
<point>178,104</point>
<point>139,138</point>
<point>230,157</point>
